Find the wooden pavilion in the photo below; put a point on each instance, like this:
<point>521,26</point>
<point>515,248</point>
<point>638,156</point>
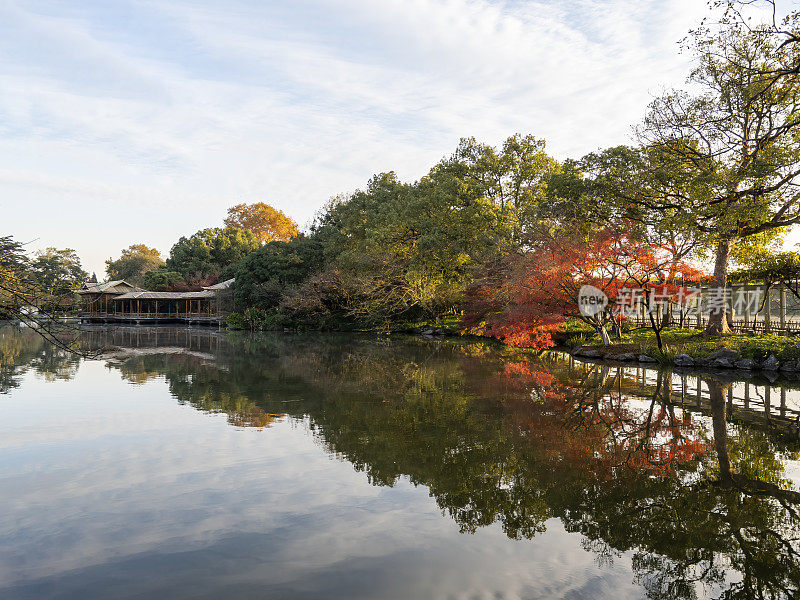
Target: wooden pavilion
<point>121,302</point>
<point>97,298</point>
<point>165,304</point>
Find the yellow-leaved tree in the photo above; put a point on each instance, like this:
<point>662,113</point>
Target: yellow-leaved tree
<point>268,224</point>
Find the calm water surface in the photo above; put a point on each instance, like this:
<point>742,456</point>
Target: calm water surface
<point>201,464</point>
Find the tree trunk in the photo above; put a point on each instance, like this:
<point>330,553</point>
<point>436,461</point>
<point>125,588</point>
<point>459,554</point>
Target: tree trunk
<point>666,319</point>
<point>717,392</point>
<point>657,330</point>
<point>604,335</point>
<point>616,328</point>
<point>717,323</point>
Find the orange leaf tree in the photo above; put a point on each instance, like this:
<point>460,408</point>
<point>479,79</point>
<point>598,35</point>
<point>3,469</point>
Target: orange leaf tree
<point>268,224</point>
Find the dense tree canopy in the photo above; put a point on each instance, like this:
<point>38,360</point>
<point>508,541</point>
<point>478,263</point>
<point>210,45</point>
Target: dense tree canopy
<point>401,251</point>
<point>134,262</point>
<point>161,279</point>
<point>38,292</point>
<point>263,276</point>
<point>14,284</point>
<point>212,251</point>
<point>57,272</point>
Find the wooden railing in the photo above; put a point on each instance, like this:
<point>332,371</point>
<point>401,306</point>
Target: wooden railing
<point>780,315</point>
<point>151,315</point>
<point>790,325</point>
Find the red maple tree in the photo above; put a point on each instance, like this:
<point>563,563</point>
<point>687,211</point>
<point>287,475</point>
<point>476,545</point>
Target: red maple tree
<point>526,296</point>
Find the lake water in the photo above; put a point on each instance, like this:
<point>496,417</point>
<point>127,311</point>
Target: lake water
<point>187,463</point>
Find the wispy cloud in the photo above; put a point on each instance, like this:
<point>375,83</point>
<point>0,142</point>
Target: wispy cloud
<point>174,111</point>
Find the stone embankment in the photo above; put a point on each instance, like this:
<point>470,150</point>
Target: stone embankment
<point>724,358</point>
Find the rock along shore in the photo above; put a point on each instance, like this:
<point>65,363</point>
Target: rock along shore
<point>724,358</point>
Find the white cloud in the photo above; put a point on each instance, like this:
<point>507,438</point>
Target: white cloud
<point>173,112</point>
<point>122,486</point>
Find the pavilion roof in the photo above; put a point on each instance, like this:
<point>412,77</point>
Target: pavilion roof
<point>143,295</point>
<point>222,285</point>
<point>109,287</point>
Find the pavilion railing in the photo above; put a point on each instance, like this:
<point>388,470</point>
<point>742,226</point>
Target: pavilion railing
<point>151,315</point>
<point>779,314</point>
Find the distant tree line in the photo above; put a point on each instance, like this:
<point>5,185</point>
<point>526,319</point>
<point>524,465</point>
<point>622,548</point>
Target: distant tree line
<point>206,257</point>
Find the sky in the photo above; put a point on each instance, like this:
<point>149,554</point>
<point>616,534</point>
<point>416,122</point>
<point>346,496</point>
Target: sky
<point>127,122</point>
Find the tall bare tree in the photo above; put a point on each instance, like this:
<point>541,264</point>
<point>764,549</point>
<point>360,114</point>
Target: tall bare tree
<point>723,159</point>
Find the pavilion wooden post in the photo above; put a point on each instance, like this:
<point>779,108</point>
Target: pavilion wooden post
<point>768,312</point>
<point>746,297</point>
<point>700,310</point>
<point>782,304</point>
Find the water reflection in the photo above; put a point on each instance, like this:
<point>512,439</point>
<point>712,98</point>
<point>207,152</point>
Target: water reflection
<point>690,476</point>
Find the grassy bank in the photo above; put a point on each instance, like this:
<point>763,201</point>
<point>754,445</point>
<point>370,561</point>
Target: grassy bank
<point>685,341</point>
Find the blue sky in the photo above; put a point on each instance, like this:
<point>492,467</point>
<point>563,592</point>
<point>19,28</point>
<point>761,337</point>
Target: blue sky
<point>138,122</point>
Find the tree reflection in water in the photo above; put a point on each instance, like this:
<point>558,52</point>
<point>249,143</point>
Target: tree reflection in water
<point>703,504</point>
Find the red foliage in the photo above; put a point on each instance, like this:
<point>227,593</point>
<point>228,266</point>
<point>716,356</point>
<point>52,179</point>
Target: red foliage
<point>526,296</point>
<point>606,434</point>
<point>520,375</point>
<point>597,423</point>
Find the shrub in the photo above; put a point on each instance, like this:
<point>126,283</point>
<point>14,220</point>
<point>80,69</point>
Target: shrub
<point>255,319</point>
<point>236,321</point>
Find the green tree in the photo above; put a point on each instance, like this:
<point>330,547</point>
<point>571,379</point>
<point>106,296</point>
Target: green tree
<point>724,160</point>
<point>212,251</point>
<point>37,293</point>
<point>263,276</point>
<point>57,272</point>
<point>410,247</point>
<point>514,176</point>
<point>133,263</point>
<point>15,287</point>
<point>161,279</point>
